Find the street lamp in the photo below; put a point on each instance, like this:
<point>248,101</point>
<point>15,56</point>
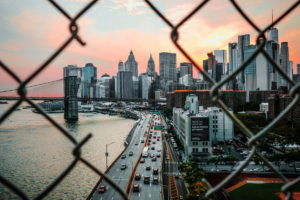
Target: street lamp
<point>106,153</point>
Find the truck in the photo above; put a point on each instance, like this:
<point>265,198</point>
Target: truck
<point>145,152</point>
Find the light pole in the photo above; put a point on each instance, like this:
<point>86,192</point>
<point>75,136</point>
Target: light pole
<point>106,153</point>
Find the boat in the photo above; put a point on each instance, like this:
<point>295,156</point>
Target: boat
<point>3,102</point>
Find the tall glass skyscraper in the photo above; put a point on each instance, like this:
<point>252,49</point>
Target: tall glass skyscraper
<point>89,80</point>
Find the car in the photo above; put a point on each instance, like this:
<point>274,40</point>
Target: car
<point>149,141</point>
<point>155,171</point>
<point>142,141</point>
<point>148,168</point>
<point>153,159</point>
<point>154,136</point>
<point>153,142</point>
<point>152,155</point>
<point>137,177</point>
<point>152,148</point>
<point>157,139</point>
<point>102,189</point>
<point>158,155</point>
<point>155,180</point>
<point>130,153</point>
<point>158,150</point>
<point>147,179</point>
<point>135,188</point>
<point>123,166</point>
<point>136,144</point>
<point>142,160</point>
<point>123,156</point>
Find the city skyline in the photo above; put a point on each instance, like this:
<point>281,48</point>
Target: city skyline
<point>15,44</point>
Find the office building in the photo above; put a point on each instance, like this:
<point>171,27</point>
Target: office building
<point>103,86</point>
<point>167,66</point>
<point>221,57</point>
<point>72,81</point>
<point>135,87</point>
<point>298,68</point>
<point>273,79</point>
<point>197,129</point>
<point>192,129</point>
<point>131,65</point>
<point>145,84</point>
<point>186,80</point>
<point>243,42</point>
<point>151,67</point>
<point>125,84</point>
<point>273,35</point>
<point>250,71</point>
<point>121,66</point>
<point>284,61</point>
<point>232,65</point>
<point>186,68</point>
<point>89,80</point>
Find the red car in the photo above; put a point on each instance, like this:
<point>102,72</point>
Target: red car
<point>102,189</point>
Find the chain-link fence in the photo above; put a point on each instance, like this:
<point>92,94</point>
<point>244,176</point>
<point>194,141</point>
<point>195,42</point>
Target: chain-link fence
<point>253,141</point>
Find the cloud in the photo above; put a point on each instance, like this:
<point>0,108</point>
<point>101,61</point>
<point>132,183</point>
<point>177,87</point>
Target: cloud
<point>133,7</point>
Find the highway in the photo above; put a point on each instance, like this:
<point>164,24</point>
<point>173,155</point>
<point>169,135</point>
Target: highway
<point>150,191</point>
<point>121,177</point>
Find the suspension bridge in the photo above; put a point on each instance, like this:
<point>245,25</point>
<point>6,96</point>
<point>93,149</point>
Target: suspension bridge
<point>53,91</point>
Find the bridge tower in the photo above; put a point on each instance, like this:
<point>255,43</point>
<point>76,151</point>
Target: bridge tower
<point>72,80</point>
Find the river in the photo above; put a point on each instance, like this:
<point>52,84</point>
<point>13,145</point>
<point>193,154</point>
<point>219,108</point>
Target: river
<point>33,152</point>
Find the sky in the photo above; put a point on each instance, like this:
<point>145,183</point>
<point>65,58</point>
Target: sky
<point>32,30</point>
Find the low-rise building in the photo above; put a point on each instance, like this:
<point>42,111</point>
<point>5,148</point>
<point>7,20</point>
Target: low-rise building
<point>198,129</point>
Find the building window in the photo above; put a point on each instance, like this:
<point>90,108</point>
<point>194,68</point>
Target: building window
<point>205,150</point>
<point>195,143</point>
<point>195,150</point>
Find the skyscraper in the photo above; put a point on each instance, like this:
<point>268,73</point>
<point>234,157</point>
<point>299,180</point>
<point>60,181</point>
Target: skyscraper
<point>211,65</point>
<point>167,66</point>
<point>273,34</point>
<point>131,65</point>
<point>186,68</point>
<point>298,68</point>
<point>145,84</point>
<point>250,71</point>
<point>273,50</point>
<point>233,61</point>
<point>151,67</point>
<point>89,80</point>
<point>221,57</point>
<point>125,84</point>
<point>243,41</point>
<point>121,66</point>
<point>284,61</point>
<point>71,86</point>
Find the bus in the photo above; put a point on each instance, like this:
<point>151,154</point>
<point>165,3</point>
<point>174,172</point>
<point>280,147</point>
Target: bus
<point>145,152</point>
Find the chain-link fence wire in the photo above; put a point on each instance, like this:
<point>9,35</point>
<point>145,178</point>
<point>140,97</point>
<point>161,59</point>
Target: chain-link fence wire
<point>253,141</point>
<point>73,27</point>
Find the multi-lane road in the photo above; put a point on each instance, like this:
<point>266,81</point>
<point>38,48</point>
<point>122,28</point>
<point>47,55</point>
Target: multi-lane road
<point>151,190</point>
<point>121,176</point>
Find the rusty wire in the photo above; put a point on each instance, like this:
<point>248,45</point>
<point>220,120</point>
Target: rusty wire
<point>253,140</point>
